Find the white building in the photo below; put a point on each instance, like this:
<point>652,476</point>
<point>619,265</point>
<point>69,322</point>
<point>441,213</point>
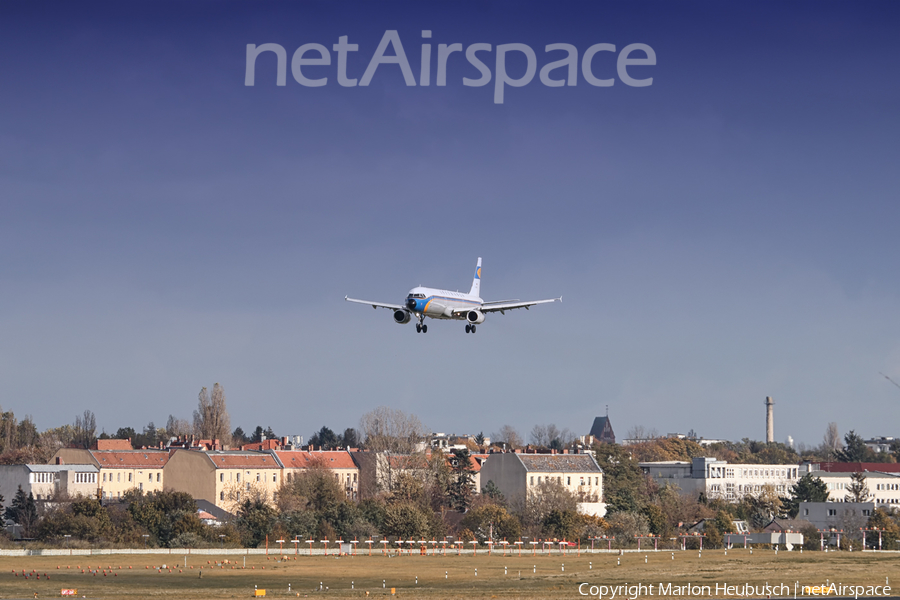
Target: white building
<point>884,488</point>
<point>720,479</point>
<point>46,481</point>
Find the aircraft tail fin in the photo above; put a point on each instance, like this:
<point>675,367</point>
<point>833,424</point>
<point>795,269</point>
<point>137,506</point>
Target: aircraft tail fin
<point>476,282</point>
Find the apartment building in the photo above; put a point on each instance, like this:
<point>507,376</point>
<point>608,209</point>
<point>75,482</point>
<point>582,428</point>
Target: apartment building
<point>517,474</point>
<point>120,470</point>
<point>226,477</point>
<point>338,462</point>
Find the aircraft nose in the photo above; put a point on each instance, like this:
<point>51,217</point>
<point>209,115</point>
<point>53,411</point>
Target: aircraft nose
<point>411,304</point>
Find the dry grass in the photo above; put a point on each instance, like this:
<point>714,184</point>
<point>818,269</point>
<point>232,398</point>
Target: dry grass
<point>448,576</point>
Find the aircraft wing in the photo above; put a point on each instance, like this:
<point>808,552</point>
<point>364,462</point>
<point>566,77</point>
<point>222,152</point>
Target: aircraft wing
<point>502,307</point>
<point>374,304</point>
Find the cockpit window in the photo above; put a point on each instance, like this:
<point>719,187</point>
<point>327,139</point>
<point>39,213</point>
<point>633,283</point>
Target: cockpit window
<point>422,296</point>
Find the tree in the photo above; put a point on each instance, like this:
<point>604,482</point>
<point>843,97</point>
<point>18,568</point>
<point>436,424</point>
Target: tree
<point>550,436</point>
<point>85,430</point>
<point>807,489</point>
<point>545,497</point>
<point>492,518</point>
<point>855,449</point>
<point>314,489</point>
<point>890,531</point>
<point>624,484</point>
<point>390,430</point>
<point>510,436</point>
<point>211,420</point>
<point>858,490</point>
<point>397,437</point>
<point>624,526</point>
<point>125,433</point>
<point>490,490</point>
<point>238,437</point>
<point>349,439</point>
<point>562,524</point>
<point>177,427</point>
<point>405,520</point>
<point>463,485</point>
<point>325,438</point>
<point>831,441</point>
<point>22,511</point>
<point>255,521</point>
<point>165,514</point>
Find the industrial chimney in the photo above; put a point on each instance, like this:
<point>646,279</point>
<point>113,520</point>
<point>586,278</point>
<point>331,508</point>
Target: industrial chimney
<point>770,420</point>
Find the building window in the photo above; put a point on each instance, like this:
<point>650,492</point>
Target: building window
<point>238,476</point>
<point>221,476</point>
<point>568,481</point>
<point>118,477</point>
<point>273,477</point>
<point>221,495</point>
<point>129,478</point>
<point>104,478</point>
<point>832,512</point>
<point>158,475</point>
<point>150,475</point>
<point>257,477</point>
<point>141,486</point>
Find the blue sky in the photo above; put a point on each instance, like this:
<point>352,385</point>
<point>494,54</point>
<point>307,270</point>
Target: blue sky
<point>727,233</point>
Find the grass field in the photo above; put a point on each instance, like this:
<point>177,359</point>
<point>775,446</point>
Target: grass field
<point>450,576</point>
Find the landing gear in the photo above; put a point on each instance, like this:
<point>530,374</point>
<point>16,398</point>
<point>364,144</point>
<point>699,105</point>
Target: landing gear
<point>470,329</point>
<point>421,327</point>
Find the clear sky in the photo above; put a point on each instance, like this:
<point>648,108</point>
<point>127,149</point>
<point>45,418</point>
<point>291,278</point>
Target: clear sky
<point>728,233</point>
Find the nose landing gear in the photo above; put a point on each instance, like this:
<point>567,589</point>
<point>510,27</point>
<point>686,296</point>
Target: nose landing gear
<point>421,327</point>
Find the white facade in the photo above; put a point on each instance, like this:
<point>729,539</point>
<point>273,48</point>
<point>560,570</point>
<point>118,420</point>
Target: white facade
<point>884,488</point>
<point>46,481</point>
<point>720,479</point>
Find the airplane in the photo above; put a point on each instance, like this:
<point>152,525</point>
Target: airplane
<point>424,302</point>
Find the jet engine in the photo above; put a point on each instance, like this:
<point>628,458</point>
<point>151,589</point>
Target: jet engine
<point>475,317</point>
<point>401,316</point>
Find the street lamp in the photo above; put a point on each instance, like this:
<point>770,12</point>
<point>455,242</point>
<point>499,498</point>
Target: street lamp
<point>67,539</point>
<point>222,540</point>
<point>145,536</point>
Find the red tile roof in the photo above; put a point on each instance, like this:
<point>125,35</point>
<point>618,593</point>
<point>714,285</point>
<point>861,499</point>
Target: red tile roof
<point>126,459</point>
<point>240,460</point>
<point>333,459</point>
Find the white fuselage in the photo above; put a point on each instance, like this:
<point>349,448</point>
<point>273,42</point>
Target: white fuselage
<point>441,304</point>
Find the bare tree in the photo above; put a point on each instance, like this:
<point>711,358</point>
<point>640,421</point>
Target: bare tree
<point>391,430</point>
<point>539,435</point>
<point>551,436</point>
<point>639,432</point>
<point>211,420</point>
<point>510,436</point>
<point>85,430</point>
<point>177,427</point>
<point>396,439</point>
<point>831,441</point>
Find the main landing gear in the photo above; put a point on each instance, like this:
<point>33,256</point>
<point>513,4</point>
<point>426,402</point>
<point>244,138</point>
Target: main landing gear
<point>470,329</point>
<point>421,327</point>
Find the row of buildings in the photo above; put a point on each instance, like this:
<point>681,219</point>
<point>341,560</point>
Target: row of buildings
<point>225,477</point>
<point>719,479</point>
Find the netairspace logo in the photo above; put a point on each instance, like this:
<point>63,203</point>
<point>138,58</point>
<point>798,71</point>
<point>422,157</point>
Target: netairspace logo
<point>308,60</point>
